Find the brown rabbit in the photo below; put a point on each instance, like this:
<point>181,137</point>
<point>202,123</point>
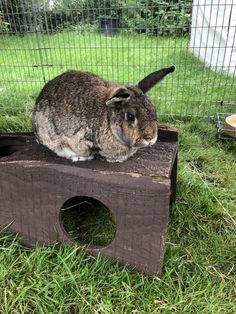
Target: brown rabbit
<point>78,114</point>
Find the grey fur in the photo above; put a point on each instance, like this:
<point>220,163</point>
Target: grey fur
<point>79,113</point>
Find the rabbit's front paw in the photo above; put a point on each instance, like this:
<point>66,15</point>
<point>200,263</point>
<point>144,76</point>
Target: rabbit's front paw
<point>74,158</point>
<point>67,153</point>
<point>78,158</point>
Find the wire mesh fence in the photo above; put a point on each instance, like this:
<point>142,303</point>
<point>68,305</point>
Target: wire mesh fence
<point>122,41</point>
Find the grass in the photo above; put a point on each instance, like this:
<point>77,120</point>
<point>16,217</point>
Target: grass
<point>194,89</point>
<point>88,221</point>
<point>199,274</point>
<point>199,270</point>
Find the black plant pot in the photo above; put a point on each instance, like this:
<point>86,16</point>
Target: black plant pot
<point>108,25</point>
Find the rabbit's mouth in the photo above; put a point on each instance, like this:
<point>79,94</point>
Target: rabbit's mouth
<point>152,141</point>
<point>146,142</point>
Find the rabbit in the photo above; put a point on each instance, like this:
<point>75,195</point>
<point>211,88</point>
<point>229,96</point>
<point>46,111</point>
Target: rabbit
<point>78,115</point>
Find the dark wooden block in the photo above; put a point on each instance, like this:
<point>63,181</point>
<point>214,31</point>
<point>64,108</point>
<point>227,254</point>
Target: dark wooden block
<point>34,184</point>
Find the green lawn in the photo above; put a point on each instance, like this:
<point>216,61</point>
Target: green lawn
<point>199,274</point>
<point>192,90</point>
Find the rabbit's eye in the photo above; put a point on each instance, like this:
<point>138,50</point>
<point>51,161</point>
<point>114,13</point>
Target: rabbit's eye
<point>130,117</point>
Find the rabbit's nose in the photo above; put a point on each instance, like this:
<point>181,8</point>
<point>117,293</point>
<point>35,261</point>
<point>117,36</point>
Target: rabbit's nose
<point>148,138</point>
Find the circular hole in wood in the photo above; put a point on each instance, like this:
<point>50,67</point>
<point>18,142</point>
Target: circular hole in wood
<point>6,151</point>
<point>10,144</point>
<point>88,221</point>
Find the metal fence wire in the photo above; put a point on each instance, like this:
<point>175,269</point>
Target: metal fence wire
<point>122,41</point>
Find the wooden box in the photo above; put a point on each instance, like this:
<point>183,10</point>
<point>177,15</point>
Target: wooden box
<point>34,184</point>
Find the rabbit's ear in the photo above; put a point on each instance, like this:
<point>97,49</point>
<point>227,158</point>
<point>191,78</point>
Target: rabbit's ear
<point>119,95</point>
<point>152,79</point>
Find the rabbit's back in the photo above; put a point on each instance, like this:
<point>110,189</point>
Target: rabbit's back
<point>71,100</point>
<point>69,85</point>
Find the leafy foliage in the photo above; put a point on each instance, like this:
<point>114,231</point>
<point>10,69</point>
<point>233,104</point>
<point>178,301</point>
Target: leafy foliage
<point>22,15</point>
<point>153,17</point>
<point>3,24</point>
<point>157,17</point>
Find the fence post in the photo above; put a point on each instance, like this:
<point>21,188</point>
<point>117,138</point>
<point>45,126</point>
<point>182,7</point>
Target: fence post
<point>37,33</point>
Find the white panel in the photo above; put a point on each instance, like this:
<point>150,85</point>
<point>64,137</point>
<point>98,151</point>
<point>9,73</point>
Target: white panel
<point>213,38</point>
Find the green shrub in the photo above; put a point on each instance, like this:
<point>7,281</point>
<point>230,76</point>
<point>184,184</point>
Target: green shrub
<point>153,17</point>
<point>3,24</point>
<point>22,16</point>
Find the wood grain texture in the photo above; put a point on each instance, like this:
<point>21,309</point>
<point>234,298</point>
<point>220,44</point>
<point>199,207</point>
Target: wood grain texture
<point>34,184</point>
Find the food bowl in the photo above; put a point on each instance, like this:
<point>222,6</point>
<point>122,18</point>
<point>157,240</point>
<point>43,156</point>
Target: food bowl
<point>230,125</point>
